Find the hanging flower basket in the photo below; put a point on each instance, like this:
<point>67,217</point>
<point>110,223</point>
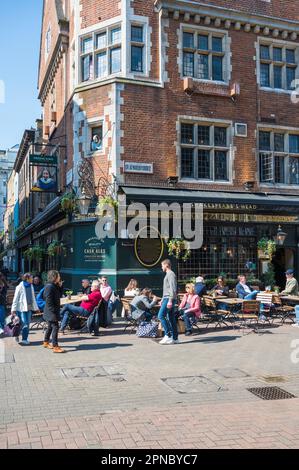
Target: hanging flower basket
<point>68,203</point>
<point>56,249</point>
<point>266,248</point>
<point>104,203</point>
<point>179,249</point>
<point>35,253</point>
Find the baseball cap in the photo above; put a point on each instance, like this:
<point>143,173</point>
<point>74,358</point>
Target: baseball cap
<point>290,271</point>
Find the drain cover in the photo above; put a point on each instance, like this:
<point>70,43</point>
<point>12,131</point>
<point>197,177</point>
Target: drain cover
<point>271,393</point>
<point>196,384</point>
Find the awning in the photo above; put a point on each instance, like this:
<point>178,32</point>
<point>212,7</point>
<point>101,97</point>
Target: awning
<point>237,198</point>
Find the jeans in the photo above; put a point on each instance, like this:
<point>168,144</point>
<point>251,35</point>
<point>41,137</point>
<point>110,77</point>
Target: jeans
<point>187,317</point>
<point>252,295</point>
<point>2,316</point>
<point>53,327</point>
<point>70,310</point>
<point>168,320</point>
<point>25,318</point>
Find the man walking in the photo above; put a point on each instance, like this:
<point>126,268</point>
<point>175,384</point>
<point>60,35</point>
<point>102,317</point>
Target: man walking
<point>166,314</point>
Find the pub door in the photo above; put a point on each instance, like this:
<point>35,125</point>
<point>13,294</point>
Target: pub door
<point>284,259</point>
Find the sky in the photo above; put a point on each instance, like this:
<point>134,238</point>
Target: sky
<point>20,27</point>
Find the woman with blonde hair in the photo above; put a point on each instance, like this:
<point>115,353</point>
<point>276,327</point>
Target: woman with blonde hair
<point>190,308</point>
<point>132,289</point>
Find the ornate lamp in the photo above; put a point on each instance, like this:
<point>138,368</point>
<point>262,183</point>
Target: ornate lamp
<point>280,236</point>
<point>84,203</point>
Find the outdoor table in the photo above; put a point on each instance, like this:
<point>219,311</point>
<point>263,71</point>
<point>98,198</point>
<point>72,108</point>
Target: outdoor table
<point>74,300</point>
<point>290,298</point>
<point>231,303</point>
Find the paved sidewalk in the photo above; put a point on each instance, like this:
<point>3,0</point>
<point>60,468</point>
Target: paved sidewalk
<point>119,391</point>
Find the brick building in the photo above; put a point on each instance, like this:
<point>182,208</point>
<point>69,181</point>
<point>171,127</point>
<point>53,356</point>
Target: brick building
<point>175,100</point>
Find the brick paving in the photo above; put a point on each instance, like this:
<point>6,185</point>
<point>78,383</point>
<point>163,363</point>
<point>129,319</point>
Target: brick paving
<point>118,391</point>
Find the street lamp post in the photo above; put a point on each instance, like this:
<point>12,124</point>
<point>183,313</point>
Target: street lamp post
<point>280,236</point>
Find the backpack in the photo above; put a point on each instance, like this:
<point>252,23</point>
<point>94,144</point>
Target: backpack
<point>40,300</point>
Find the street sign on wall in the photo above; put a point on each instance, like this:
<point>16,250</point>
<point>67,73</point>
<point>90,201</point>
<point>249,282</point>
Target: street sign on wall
<point>135,167</point>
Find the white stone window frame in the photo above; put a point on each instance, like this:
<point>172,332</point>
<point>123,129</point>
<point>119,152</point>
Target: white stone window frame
<point>48,42</point>
<point>286,154</point>
<point>91,124</point>
<point>229,148</point>
<point>144,23</point>
<point>262,41</point>
<point>227,66</point>
<point>93,34</point>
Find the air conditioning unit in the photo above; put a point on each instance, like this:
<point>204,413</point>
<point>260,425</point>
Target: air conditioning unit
<point>240,129</point>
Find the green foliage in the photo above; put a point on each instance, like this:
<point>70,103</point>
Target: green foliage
<point>179,249</point>
<point>103,202</point>
<point>267,246</point>
<point>268,278</point>
<point>68,203</point>
<point>35,252</point>
<point>56,248</point>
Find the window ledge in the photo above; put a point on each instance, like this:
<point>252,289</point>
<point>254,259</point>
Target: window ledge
<point>279,185</point>
<point>205,87</point>
<point>199,181</point>
<point>277,90</point>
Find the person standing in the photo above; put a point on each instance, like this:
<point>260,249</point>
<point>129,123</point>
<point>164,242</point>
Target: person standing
<point>291,284</point>
<point>166,314</point>
<point>24,304</point>
<point>51,296</point>
<point>3,295</point>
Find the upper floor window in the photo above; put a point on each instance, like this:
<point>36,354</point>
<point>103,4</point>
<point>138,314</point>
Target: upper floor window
<point>48,41</point>
<point>279,157</point>
<point>101,54</point>
<point>205,151</point>
<point>96,143</point>
<point>204,55</point>
<point>278,66</point>
<point>137,49</point>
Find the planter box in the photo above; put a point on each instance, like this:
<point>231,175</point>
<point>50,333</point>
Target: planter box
<point>263,255</point>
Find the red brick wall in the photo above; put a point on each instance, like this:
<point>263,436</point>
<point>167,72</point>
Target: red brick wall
<point>94,11</point>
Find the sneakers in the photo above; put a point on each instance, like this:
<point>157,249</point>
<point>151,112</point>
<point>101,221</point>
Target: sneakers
<point>24,342</point>
<point>1,331</point>
<point>47,345</point>
<point>58,350</point>
<point>165,340</point>
<point>188,333</point>
<point>175,341</point>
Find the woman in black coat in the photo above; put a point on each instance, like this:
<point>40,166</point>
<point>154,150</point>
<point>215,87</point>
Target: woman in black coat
<point>52,294</point>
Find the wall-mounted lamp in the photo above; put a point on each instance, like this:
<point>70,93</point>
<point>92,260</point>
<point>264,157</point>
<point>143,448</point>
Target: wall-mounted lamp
<point>172,180</point>
<point>249,185</point>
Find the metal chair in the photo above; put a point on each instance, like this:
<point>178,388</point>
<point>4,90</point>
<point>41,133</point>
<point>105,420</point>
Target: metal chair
<point>132,323</point>
<point>212,314</point>
<point>283,312</point>
<point>249,312</point>
<point>38,321</point>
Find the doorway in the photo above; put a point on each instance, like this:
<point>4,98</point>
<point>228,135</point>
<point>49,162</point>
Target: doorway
<point>284,259</point>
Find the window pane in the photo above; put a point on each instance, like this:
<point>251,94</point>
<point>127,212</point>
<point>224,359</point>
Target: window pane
<point>137,34</point>
<point>203,42</point>
<point>187,133</point>
<point>265,75</point>
<point>266,168</point>
<point>220,165</point>
<point>115,58</point>
<point>217,68</point>
<point>279,170</point>
<point>137,59</point>
<point>87,45</point>
<point>265,52</point>
<point>294,170</point>
<point>279,142</point>
<point>86,66</point>
<point>101,64</point>
<point>277,54</point>
<point>265,140</point>
<point>204,164</point>
<point>203,135</point>
<point>277,76</point>
<point>294,143</point>
<point>116,36</point>
<point>290,78</point>
<point>188,40</point>
<point>187,160</point>
<point>290,56</point>
<point>220,137</point>
<point>217,44</point>
<point>101,41</point>
<point>96,138</point>
<point>203,67</point>
<point>188,64</point>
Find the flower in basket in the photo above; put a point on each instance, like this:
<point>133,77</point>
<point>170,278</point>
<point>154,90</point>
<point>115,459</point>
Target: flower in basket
<point>179,248</point>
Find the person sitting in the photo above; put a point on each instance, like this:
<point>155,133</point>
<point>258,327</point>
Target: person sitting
<point>132,289</point>
<point>221,288</point>
<point>86,289</point>
<point>190,308</point>
<point>291,284</point>
<point>141,305</point>
<point>37,285</point>
<point>200,288</point>
<point>88,304</point>
<point>244,291</point>
<point>105,289</point>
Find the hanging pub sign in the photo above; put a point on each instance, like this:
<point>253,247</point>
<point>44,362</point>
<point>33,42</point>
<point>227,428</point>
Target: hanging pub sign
<point>43,173</point>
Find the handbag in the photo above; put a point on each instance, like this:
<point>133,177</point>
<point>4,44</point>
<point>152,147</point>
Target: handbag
<point>147,330</point>
<point>13,329</point>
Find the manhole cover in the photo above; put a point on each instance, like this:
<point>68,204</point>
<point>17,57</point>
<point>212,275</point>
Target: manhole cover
<point>231,373</point>
<point>196,384</point>
<point>274,378</point>
<point>93,371</point>
<point>271,393</point>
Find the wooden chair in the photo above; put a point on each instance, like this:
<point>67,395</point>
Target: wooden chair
<point>249,313</point>
<point>38,321</point>
<point>132,323</point>
<point>211,314</point>
<point>283,312</point>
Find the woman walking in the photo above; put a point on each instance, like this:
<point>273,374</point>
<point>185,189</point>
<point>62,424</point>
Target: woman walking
<point>3,294</point>
<point>24,304</point>
<point>52,294</point>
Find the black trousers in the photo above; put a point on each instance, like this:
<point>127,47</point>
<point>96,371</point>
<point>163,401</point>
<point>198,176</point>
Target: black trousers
<point>53,327</point>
